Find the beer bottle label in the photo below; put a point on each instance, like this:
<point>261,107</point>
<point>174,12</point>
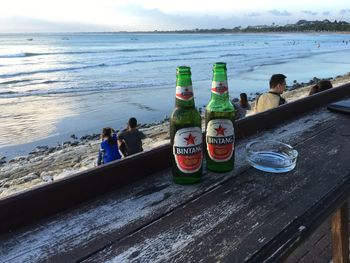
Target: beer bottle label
<point>188,150</point>
<point>184,93</point>
<point>219,87</point>
<point>220,139</point>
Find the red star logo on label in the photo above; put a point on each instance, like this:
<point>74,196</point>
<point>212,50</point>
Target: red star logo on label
<point>190,139</point>
<point>220,130</point>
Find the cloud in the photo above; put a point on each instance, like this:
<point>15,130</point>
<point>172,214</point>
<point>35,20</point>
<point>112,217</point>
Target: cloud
<point>309,12</point>
<point>279,13</point>
<point>19,24</point>
<point>135,17</point>
<point>326,13</point>
<point>254,14</point>
<point>344,11</point>
<point>154,19</point>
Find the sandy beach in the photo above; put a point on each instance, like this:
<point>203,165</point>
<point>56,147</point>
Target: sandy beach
<point>45,165</point>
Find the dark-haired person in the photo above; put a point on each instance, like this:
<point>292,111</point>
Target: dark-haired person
<point>272,99</point>
<point>130,139</point>
<point>241,106</point>
<point>322,85</point>
<point>109,147</point>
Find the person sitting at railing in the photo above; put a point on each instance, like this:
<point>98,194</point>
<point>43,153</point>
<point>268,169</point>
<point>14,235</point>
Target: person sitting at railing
<point>241,106</point>
<point>130,139</point>
<point>321,86</point>
<point>109,147</point>
<point>272,99</point>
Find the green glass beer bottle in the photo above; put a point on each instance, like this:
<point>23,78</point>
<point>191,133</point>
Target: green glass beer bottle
<point>219,118</point>
<point>185,132</point>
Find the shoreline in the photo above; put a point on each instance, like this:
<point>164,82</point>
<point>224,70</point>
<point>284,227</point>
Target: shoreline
<point>46,164</point>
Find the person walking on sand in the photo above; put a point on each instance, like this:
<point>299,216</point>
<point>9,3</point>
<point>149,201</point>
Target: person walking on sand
<point>130,139</point>
<point>272,98</point>
<point>109,147</point>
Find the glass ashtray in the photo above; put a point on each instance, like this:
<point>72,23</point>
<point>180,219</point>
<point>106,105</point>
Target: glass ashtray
<point>271,156</point>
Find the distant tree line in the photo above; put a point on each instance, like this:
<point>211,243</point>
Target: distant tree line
<point>300,26</point>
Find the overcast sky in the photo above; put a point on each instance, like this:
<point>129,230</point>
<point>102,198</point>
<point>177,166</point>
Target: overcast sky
<point>116,15</point>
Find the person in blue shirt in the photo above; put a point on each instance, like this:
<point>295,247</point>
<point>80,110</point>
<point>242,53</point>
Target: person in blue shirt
<point>109,147</point>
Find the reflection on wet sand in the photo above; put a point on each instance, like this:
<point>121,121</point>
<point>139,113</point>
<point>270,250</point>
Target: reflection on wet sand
<point>25,120</point>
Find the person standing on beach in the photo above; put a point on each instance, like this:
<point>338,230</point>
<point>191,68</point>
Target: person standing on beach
<point>272,99</point>
<point>130,139</point>
<point>109,147</point>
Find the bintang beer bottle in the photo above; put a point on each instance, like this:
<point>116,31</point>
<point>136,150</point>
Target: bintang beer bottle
<point>185,132</point>
<point>219,117</point>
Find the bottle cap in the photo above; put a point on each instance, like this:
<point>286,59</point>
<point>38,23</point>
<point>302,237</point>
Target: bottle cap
<point>219,65</point>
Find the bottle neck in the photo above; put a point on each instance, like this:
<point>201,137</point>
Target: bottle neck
<point>219,75</point>
<point>184,91</point>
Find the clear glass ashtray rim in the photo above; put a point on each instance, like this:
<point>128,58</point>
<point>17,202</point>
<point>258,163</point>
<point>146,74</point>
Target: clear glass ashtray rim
<point>291,151</point>
<point>276,148</point>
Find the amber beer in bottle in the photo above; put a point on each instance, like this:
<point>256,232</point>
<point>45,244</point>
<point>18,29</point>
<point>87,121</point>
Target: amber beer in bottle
<point>185,132</point>
<point>219,118</point>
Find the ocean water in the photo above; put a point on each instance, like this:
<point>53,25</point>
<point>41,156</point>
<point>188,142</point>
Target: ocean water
<point>56,85</point>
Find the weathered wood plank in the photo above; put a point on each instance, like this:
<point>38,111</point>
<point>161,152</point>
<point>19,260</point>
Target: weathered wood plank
<point>241,217</point>
<point>340,235</point>
<point>95,225</point>
<point>34,204</point>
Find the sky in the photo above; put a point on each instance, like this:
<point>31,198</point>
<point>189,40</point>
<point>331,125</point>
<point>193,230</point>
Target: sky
<point>144,15</point>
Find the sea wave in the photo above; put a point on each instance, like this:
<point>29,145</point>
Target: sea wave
<point>232,55</point>
<point>68,69</point>
<point>50,70</point>
<point>32,54</point>
<point>121,50</point>
<point>6,94</point>
<point>16,81</point>
<point>193,52</point>
<point>22,54</point>
<point>24,83</point>
<point>76,91</point>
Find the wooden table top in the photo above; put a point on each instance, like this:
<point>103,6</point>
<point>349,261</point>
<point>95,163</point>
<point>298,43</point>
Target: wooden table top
<point>243,215</point>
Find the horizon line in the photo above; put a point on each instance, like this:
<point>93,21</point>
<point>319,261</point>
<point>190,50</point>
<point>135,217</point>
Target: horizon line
<point>195,30</point>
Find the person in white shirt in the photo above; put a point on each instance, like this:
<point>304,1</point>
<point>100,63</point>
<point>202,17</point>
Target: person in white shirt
<point>272,98</point>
